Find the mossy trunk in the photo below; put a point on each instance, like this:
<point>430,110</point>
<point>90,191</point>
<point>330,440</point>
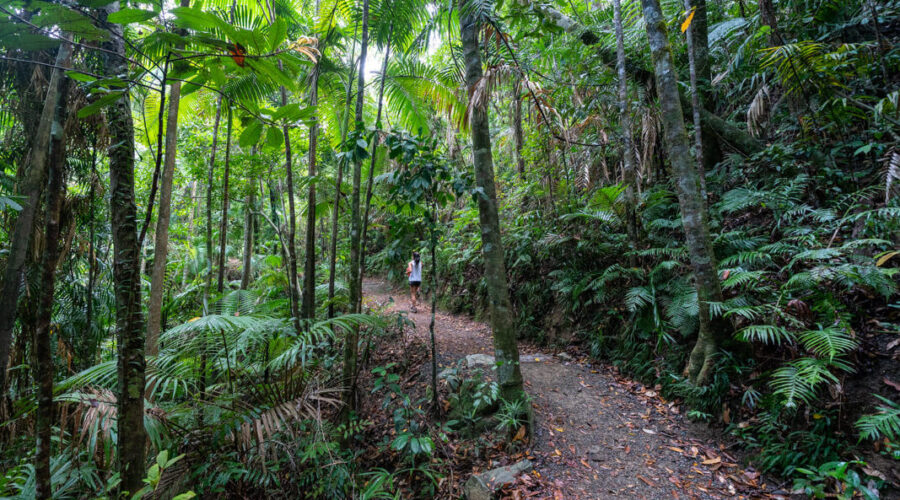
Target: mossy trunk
<point>693,206</point>
<point>506,351</point>
<point>629,162</point>
<point>126,274</point>
<point>308,308</point>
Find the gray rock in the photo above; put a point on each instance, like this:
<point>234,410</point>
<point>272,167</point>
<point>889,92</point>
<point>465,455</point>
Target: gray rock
<point>479,360</point>
<point>483,486</point>
<point>533,358</point>
<point>565,357</point>
<point>595,454</point>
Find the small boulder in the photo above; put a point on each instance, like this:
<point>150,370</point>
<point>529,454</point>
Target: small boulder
<point>473,360</point>
<point>534,358</point>
<point>565,357</point>
<point>483,486</point>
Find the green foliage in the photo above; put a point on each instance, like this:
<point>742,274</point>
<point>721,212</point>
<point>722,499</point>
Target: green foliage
<point>835,480</point>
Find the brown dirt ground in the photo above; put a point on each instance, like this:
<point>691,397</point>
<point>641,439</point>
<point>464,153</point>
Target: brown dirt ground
<point>597,434</point>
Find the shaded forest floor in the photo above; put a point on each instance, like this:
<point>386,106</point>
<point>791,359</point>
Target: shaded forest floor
<point>597,434</point>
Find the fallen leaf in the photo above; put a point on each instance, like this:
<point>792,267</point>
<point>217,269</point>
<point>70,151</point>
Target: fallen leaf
<point>644,479</point>
<point>891,383</point>
<point>520,434</point>
<point>648,431</point>
<point>676,450</point>
<point>874,473</point>
<point>712,461</point>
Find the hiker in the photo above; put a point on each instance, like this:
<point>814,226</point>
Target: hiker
<point>414,271</point>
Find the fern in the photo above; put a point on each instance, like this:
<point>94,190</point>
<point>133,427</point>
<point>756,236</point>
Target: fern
<point>797,381</point>
<point>767,334</point>
<point>827,343</point>
<point>885,422</point>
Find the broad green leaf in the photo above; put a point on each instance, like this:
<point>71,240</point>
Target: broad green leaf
<point>80,77</point>
<point>274,137</point>
<point>99,104</point>
<point>194,84</point>
<point>277,34</point>
<point>29,42</point>
<point>129,15</point>
<point>250,135</point>
<point>195,19</point>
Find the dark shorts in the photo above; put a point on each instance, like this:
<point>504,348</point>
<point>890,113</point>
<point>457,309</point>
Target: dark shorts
<point>415,283</point>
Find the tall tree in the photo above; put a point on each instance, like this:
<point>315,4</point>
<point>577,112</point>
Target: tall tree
<point>292,220</point>
<point>31,189</point>
<point>693,206</point>
<point>355,282</point>
<point>338,180</point>
<point>371,180</point>
<point>628,159</point>
<point>698,70</point>
<point>43,345</point>
<point>247,265</point>
<point>517,128</point>
<point>223,224</point>
<point>506,351</point>
<point>308,310</point>
<point>126,271</point>
<point>161,238</point>
<point>210,179</point>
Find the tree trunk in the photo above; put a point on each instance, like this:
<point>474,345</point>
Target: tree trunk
<point>371,180</point>
<point>209,189</point>
<point>247,266</point>
<point>129,317</point>
<point>693,207</point>
<point>517,128</point>
<point>355,284</point>
<point>92,263</point>
<point>713,126</point>
<point>31,189</point>
<point>308,311</point>
<point>336,210</point>
<point>698,69</point>
<point>768,17</point>
<point>292,223</point>
<point>43,346</point>
<point>223,226</point>
<point>505,350</point>
<point>628,160</point>
<point>161,240</point>
<point>192,214</point>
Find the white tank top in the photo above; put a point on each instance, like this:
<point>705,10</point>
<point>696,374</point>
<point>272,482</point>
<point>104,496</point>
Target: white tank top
<point>416,274</point>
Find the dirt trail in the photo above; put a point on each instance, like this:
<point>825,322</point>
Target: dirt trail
<point>598,435</point>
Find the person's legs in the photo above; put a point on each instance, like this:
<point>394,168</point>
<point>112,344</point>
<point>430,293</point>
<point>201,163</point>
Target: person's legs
<point>414,295</point>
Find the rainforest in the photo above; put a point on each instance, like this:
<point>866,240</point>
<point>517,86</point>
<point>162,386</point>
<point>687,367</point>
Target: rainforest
<point>449,249</point>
